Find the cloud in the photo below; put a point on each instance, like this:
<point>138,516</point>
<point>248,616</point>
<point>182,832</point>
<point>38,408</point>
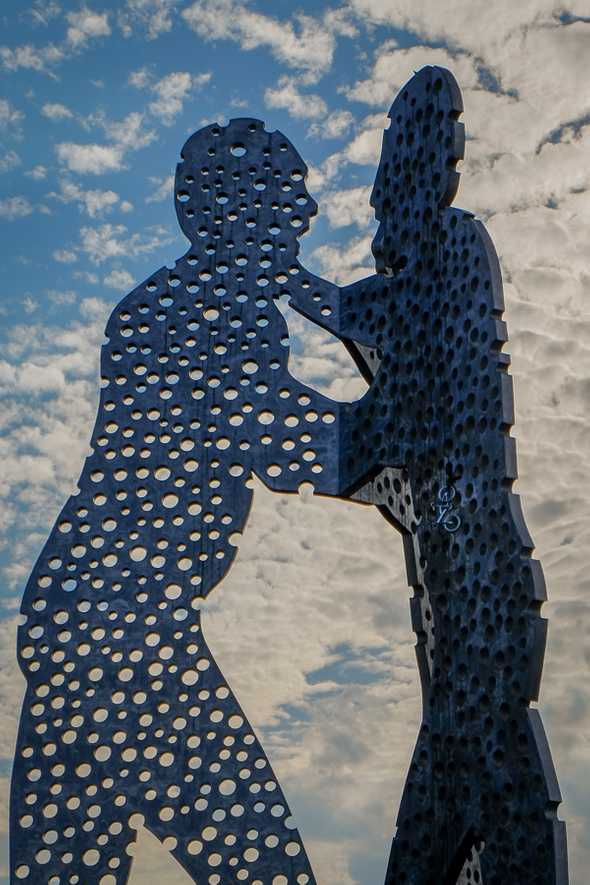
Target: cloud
<point>62,296</point>
<point>346,263</point>
<point>363,150</point>
<point>152,16</point>
<point>38,173</point>
<point>130,133</point>
<point>10,118</point>
<point>303,106</point>
<point>304,43</point>
<point>87,276</point>
<point>307,106</point>
<point>9,161</point>
<point>86,25</point>
<point>490,54</point>
<point>393,66</point>
<point>35,58</point>
<point>172,91</point>
<point>140,78</point>
<point>65,256</point>
<point>92,202</point>
<point>127,134</point>
<point>119,279</point>
<point>93,159</point>
<point>164,189</point>
<point>42,448</point>
<point>335,125</point>
<point>12,208</point>
<point>33,379</point>
<point>109,241</point>
<point>43,11</point>
<point>348,206</point>
<point>56,111</point>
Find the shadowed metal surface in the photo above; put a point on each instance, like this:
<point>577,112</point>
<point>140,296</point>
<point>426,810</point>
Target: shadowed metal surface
<point>127,718</point>
<point>481,797</point>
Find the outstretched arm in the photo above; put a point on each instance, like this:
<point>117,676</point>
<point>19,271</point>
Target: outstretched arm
<point>298,442</point>
<point>352,312</point>
<point>312,439</point>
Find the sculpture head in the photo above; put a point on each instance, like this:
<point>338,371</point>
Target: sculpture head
<point>416,175</point>
<point>241,185</point>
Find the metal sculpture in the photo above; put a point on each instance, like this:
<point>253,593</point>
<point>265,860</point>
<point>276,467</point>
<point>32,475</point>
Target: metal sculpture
<point>480,802</point>
<point>126,712</point>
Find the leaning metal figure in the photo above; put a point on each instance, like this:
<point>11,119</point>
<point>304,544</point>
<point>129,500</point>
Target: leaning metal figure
<point>127,717</point>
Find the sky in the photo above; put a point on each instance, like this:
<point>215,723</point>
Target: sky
<point>311,627</point>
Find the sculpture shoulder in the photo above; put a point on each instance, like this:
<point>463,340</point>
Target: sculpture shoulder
<point>141,301</point>
<point>362,305</point>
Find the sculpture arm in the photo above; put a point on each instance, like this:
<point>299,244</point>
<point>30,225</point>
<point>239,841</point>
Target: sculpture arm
<point>349,312</point>
<point>318,441</point>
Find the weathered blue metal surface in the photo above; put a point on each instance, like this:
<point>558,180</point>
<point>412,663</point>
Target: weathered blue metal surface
<point>127,717</point>
<point>427,332</point>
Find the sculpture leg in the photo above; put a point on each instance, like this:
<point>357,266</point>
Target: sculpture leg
<point>212,797</point>
<point>523,842</point>
<point>66,828</point>
<point>428,849</point>
<point>509,802</point>
<point>524,851</point>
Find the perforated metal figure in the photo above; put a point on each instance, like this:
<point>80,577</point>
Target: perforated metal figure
<point>126,711</point>
<point>481,797</point>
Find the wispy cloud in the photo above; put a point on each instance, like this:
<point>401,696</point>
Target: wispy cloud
<point>10,118</point>
<point>95,159</point>
<point>303,42</point>
<point>13,208</point>
<point>35,58</point>
<point>111,241</point>
<point>171,91</point>
<point>164,189</point>
<point>91,159</point>
<point>286,95</point>
<point>92,202</point>
<point>86,25</point>
<point>9,161</point>
<point>38,173</point>
<point>152,16</point>
<point>42,12</point>
<point>119,279</point>
<point>65,256</point>
<point>56,111</point>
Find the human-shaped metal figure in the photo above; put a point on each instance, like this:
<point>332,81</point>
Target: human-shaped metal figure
<point>126,712</point>
<point>481,797</point>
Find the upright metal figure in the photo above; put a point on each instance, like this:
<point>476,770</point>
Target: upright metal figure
<point>481,797</point>
<point>126,711</point>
